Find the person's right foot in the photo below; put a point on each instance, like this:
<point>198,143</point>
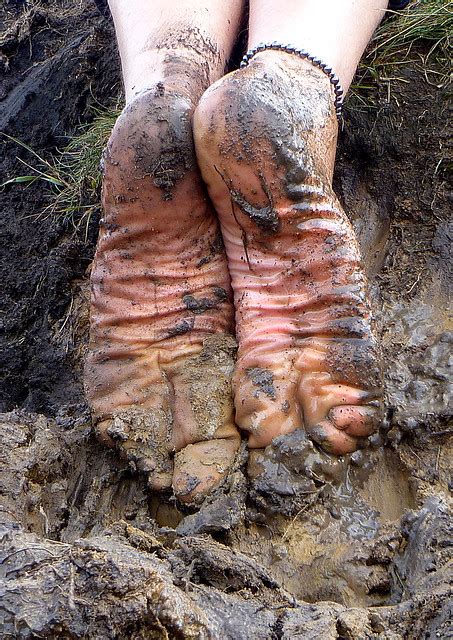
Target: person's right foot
<point>265,140</point>
<point>158,371</point>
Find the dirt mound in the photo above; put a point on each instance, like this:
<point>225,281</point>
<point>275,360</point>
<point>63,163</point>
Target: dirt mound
<point>311,547</point>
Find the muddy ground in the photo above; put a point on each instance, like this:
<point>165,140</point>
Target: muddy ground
<point>314,548</point>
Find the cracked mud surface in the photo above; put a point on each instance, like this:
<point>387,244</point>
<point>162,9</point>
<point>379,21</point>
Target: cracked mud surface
<point>306,546</point>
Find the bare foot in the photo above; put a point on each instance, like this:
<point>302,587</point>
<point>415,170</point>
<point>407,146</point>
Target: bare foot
<point>158,374</point>
<point>265,139</point>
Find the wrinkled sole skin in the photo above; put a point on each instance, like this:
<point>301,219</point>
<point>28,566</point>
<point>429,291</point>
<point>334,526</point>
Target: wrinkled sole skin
<point>161,356</point>
<point>265,139</point>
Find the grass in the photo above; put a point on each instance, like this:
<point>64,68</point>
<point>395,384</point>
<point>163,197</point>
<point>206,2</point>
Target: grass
<point>428,23</point>
<point>74,174</point>
<point>80,163</point>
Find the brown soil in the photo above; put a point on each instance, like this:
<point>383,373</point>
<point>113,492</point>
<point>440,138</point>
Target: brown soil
<point>312,547</point>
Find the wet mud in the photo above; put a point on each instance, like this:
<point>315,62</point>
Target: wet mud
<point>295,543</point>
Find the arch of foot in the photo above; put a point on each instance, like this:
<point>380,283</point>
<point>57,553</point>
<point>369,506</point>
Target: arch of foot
<point>161,306</point>
<point>265,141</point>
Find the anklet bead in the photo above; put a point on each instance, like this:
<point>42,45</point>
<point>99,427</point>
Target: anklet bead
<point>289,48</point>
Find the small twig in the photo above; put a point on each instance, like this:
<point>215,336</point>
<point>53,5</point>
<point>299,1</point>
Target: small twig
<point>71,600</point>
<point>188,575</point>
<point>437,459</point>
<point>416,281</point>
<point>399,579</point>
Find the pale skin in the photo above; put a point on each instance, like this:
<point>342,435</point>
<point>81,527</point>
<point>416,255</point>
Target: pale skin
<point>166,296</point>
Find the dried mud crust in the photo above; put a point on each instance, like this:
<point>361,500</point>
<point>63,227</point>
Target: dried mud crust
<point>312,547</point>
<point>102,566</point>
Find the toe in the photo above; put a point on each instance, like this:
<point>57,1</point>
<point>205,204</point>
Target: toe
<point>202,403</point>
<point>346,427</point>
<point>101,429</point>
<point>265,402</point>
<point>201,467</point>
<point>204,433</point>
<point>355,421</point>
<point>331,439</point>
<point>143,439</point>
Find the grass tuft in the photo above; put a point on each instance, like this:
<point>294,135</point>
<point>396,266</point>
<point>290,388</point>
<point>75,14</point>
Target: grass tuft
<point>80,163</point>
<point>74,173</point>
<point>428,23</point>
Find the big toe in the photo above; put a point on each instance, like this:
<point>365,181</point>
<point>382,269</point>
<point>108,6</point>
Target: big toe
<point>143,439</point>
<point>201,467</point>
<point>204,432</point>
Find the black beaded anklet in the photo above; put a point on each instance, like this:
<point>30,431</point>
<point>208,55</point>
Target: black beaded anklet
<point>289,48</point>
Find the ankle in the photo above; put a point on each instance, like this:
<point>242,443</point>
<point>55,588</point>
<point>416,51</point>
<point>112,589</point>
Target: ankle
<point>183,70</point>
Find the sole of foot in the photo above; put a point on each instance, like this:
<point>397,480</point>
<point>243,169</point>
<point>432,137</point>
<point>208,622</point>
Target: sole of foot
<point>265,139</point>
<point>161,354</point>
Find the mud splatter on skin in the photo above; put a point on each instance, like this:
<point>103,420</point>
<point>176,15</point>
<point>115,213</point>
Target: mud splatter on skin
<point>161,307</point>
<point>144,438</point>
<point>183,37</point>
<point>215,248</point>
<point>200,305</point>
<point>263,379</point>
<point>278,115</point>
<point>286,406</point>
<point>265,218</point>
<point>170,156</point>
<point>208,379</point>
<point>181,328</point>
<point>356,360</point>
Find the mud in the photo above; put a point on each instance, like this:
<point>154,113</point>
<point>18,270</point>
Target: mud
<point>263,380</point>
<point>265,218</point>
<point>310,546</point>
<point>201,305</point>
<point>144,438</point>
<point>166,158</point>
<point>207,378</point>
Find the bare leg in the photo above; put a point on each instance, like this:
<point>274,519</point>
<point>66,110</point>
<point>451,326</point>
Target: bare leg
<point>265,139</point>
<point>161,353</point>
<point>337,31</point>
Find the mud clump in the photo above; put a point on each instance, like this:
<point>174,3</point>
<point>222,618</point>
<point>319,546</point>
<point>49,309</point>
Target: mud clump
<point>262,379</point>
<point>103,567</point>
<point>198,306</point>
<point>303,546</point>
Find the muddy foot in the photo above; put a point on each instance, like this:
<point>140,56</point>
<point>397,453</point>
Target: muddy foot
<point>265,139</point>
<point>161,353</point>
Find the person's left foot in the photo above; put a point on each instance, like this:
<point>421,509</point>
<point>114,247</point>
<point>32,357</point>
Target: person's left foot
<point>265,139</point>
<point>161,354</point>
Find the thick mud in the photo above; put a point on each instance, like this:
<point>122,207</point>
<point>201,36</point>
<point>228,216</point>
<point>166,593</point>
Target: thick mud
<point>304,545</point>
